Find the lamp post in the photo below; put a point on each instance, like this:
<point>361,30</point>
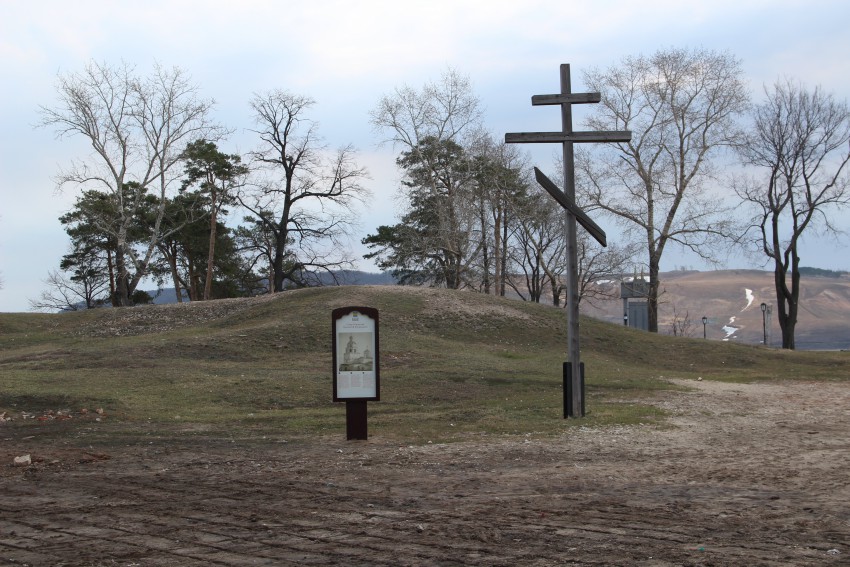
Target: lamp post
<point>704,323</point>
<point>764,322</point>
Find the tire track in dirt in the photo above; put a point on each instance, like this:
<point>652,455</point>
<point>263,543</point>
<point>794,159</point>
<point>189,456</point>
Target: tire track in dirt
<point>735,479</point>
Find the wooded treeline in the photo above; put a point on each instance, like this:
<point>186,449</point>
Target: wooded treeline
<point>473,218</point>
<point>155,193</point>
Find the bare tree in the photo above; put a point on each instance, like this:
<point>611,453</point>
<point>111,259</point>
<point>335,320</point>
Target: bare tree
<point>681,107</point>
<point>539,252</point>
<point>501,187</point>
<point>436,129</point>
<point>600,268</point>
<point>86,288</point>
<point>538,247</point>
<point>307,199</point>
<point>800,141</point>
<point>137,128</point>
<point>681,324</point>
<point>443,110</point>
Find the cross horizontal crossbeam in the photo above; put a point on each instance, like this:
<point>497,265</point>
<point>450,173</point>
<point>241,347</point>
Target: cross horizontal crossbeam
<point>560,137</point>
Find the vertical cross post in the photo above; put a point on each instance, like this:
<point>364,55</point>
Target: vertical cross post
<point>566,98</point>
<point>573,350</point>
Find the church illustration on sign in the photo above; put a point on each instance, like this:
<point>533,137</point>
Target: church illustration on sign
<point>353,360</point>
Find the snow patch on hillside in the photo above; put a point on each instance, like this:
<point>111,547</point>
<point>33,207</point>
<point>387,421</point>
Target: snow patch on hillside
<point>750,298</point>
<point>730,329</point>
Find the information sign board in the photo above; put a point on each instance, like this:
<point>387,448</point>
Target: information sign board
<point>356,374</point>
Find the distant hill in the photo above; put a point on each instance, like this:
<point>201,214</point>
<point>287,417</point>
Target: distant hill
<point>734,314</point>
<point>822,273</point>
<point>167,296</point>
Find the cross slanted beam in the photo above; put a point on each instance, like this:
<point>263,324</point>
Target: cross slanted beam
<point>594,229</point>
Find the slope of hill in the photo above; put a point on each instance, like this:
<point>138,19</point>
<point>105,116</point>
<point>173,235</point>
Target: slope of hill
<point>452,362</point>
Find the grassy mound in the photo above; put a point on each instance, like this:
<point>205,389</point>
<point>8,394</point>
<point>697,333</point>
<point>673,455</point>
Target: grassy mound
<point>453,364</point>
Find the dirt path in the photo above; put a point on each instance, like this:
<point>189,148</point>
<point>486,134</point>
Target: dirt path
<point>745,475</point>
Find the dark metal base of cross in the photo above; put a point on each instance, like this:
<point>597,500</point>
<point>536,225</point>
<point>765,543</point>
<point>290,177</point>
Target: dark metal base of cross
<point>568,390</point>
<point>355,419</point>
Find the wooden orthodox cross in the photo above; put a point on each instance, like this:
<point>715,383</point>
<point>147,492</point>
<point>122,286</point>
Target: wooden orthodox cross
<point>573,369</point>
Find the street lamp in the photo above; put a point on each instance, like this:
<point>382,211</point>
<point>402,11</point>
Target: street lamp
<point>764,322</point>
<point>704,323</point>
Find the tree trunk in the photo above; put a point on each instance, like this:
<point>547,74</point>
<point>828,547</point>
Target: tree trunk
<point>121,297</point>
<point>485,249</point>
<point>504,258</point>
<point>175,276</point>
<point>497,252</point>
<point>652,298</point>
<point>192,276</point>
<point>111,267</point>
<point>556,292</point>
<point>787,300</point>
<point>793,304</point>
<point>277,264</point>
<point>536,287</point>
<point>211,253</point>
<point>452,270</point>
<point>213,229</point>
<point>281,232</point>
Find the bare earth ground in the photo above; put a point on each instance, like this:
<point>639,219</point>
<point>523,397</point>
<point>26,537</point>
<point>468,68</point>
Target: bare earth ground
<point>746,475</point>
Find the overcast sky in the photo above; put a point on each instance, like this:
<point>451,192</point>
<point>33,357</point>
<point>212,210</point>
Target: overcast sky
<point>346,55</point>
